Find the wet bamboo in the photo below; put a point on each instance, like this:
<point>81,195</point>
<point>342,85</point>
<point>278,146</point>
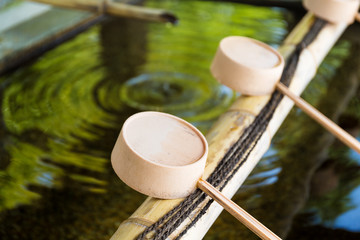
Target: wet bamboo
<point>114,9</point>
<point>229,128</point>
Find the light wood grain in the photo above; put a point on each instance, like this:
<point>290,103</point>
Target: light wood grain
<point>240,214</point>
<point>114,9</point>
<point>230,127</point>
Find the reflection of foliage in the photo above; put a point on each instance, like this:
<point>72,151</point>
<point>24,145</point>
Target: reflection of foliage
<point>61,114</point>
<point>354,107</point>
<point>52,100</point>
<point>330,205</point>
<point>330,91</point>
<point>49,117</point>
<point>21,172</point>
<point>188,49</point>
<point>53,125</point>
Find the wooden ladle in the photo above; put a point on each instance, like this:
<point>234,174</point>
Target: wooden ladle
<point>163,156</point>
<point>334,11</point>
<point>251,67</point>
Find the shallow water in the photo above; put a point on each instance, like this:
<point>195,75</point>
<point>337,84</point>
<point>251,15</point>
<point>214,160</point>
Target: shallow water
<point>61,114</point>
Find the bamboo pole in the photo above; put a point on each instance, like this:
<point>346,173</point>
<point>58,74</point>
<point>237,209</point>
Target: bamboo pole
<point>115,9</point>
<point>230,127</point>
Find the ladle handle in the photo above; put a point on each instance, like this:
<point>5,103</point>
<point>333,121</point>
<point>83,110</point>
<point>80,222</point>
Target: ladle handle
<point>321,118</point>
<point>239,213</point>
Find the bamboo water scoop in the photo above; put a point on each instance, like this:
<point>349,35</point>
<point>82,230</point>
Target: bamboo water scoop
<point>163,156</point>
<point>254,68</point>
<point>334,11</point>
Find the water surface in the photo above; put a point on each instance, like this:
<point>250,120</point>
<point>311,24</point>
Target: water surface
<point>61,114</point>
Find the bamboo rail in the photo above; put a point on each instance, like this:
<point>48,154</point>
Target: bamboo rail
<point>229,128</point>
<point>115,9</point>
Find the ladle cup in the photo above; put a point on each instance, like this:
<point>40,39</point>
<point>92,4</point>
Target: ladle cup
<point>251,67</point>
<point>163,156</point>
<point>334,11</point>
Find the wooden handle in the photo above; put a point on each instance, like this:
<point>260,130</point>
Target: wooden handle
<point>321,118</point>
<point>115,9</point>
<point>239,213</point>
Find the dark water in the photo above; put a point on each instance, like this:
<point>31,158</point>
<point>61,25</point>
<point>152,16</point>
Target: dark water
<point>61,114</point>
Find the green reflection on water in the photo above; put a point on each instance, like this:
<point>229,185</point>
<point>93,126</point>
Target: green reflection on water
<point>46,110</point>
<point>60,115</point>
